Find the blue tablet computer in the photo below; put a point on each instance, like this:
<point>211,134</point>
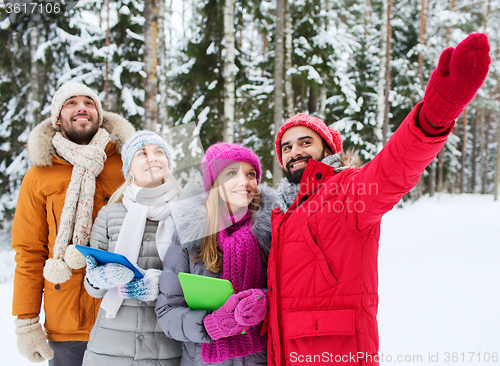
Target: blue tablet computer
<point>104,257</point>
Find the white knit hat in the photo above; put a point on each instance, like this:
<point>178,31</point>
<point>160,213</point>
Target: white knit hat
<point>69,90</point>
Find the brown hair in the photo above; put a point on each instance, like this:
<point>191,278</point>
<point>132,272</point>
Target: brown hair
<point>209,251</point>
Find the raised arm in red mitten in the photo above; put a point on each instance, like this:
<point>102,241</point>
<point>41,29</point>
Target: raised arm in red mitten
<point>456,80</point>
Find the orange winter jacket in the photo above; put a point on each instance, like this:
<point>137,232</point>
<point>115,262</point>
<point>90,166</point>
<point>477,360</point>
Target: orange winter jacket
<point>70,312</point>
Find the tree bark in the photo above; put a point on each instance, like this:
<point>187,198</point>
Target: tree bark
<point>497,161</point>
<point>150,63</point>
<point>440,172</point>
<point>278,83</point>
<point>106,78</point>
<point>313,99</point>
<point>288,61</point>
<point>484,158</point>
<point>385,128</point>
<point>368,8</point>
<point>382,76</point>
<point>475,132</point>
<point>421,41</point>
<point>229,76</point>
<point>464,151</point>
<point>163,83</point>
<point>34,102</point>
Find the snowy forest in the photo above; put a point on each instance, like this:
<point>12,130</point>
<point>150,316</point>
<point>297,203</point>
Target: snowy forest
<point>202,71</point>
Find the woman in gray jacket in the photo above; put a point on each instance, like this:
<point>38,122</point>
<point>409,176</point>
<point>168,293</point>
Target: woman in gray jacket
<point>223,231</point>
<point>137,224</point>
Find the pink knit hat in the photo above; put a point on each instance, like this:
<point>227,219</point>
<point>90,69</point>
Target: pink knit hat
<point>220,155</point>
<point>331,136</point>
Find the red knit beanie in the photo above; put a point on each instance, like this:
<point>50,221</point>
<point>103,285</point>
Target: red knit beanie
<point>331,136</point>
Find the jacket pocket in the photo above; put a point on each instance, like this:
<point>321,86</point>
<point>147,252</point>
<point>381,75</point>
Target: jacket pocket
<point>62,303</point>
<point>320,256</point>
<point>309,323</point>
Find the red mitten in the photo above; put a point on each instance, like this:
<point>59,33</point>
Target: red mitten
<point>456,80</point>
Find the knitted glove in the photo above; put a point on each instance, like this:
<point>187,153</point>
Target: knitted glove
<point>221,323</point>
<point>107,276</point>
<point>252,309</point>
<point>456,80</point>
<point>145,289</point>
<point>31,341</point>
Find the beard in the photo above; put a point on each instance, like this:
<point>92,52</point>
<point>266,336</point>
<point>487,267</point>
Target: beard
<point>79,137</point>
<point>296,176</point>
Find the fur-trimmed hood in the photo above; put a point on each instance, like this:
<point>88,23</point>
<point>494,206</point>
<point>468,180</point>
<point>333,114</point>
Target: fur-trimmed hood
<point>350,159</point>
<point>190,217</point>
<point>40,147</point>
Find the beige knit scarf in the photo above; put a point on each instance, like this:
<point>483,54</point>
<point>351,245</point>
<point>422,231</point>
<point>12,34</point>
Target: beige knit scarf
<point>76,218</point>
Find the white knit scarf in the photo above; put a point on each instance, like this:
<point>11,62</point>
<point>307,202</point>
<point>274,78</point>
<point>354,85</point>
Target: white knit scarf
<point>76,217</point>
<point>141,204</point>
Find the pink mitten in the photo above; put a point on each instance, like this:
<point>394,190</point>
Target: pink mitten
<point>221,323</point>
<point>252,309</point>
<point>456,80</point>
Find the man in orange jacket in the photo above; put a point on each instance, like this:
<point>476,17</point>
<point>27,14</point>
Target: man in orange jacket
<point>77,166</point>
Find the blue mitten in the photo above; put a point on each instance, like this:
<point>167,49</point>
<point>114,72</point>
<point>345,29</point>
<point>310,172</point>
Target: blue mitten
<point>146,288</point>
<point>107,276</point>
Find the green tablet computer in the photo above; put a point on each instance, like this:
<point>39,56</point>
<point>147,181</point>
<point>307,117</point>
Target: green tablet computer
<point>205,293</point>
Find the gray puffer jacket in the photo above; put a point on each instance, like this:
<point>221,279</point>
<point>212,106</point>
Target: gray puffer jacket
<point>133,337</point>
<point>176,319</point>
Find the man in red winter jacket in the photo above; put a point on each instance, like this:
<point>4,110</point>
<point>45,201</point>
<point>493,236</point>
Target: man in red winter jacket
<point>322,272</point>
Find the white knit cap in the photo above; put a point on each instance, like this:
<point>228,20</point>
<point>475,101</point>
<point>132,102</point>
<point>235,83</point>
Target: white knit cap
<point>69,90</point>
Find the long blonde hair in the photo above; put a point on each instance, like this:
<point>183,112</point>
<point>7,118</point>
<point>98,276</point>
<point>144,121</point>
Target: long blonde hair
<point>118,195</point>
<point>209,251</point>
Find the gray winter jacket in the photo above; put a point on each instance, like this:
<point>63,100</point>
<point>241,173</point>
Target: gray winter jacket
<point>176,319</point>
<point>133,337</point>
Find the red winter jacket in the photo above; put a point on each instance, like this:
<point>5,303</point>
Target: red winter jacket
<point>322,273</point>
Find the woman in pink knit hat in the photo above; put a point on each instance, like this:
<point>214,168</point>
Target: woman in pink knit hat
<point>222,231</point>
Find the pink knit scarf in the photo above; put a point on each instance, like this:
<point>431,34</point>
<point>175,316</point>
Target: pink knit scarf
<point>242,266</point>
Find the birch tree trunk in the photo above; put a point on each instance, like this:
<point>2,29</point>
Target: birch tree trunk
<point>474,127</point>
<point>497,162</point>
<point>483,157</point>
<point>278,83</point>
<point>385,127</point>
<point>34,103</point>
<point>106,78</point>
<point>150,63</point>
<point>440,172</point>
<point>163,84</point>
<point>381,76</point>
<point>229,66</point>
<point>288,61</point>
<point>464,151</point>
<point>421,41</point>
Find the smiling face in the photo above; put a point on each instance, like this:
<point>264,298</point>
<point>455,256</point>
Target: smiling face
<point>238,185</point>
<point>298,145</point>
<point>149,166</point>
<point>79,119</point>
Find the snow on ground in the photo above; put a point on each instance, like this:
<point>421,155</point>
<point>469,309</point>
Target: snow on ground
<point>438,281</point>
<point>439,292</point>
